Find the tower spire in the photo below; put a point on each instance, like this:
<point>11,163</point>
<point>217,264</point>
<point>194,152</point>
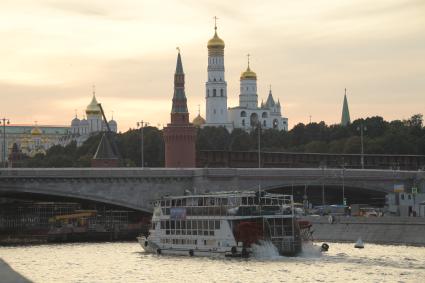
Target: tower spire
<point>179,97</point>
<point>248,59</point>
<point>345,117</point>
<point>179,65</point>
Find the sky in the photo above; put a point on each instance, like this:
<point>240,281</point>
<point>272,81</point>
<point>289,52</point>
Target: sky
<point>53,51</point>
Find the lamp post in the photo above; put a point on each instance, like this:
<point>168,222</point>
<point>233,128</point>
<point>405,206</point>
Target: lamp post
<point>259,144</point>
<point>142,124</point>
<point>343,184</point>
<point>3,122</point>
<point>361,129</point>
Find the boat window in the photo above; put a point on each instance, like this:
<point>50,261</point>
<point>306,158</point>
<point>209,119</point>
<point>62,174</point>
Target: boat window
<point>173,202</point>
<point>200,201</point>
<point>189,224</point>
<point>217,225</point>
<point>177,224</point>
<point>250,200</point>
<point>167,203</point>
<point>224,201</point>
<point>179,202</point>
<point>205,225</point>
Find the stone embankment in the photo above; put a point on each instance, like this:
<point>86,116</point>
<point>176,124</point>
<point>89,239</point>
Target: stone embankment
<point>378,230</point>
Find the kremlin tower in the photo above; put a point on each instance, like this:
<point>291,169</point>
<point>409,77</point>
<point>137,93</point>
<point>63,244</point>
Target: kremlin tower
<point>345,117</point>
<point>179,135</point>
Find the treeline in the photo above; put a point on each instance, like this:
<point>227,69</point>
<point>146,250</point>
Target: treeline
<point>380,137</point>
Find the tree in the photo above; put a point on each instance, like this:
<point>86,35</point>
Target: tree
<point>240,140</point>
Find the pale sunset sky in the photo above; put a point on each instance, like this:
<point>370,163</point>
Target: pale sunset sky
<point>53,51</point>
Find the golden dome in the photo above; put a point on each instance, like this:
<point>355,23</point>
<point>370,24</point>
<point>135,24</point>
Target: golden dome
<point>248,75</point>
<point>198,121</point>
<point>93,107</point>
<point>36,131</point>
<point>215,42</point>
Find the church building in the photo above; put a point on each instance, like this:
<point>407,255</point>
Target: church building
<point>248,114</point>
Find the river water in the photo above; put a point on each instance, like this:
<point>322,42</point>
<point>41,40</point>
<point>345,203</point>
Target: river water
<point>125,262</point>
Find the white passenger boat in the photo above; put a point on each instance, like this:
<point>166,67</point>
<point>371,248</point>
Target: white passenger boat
<point>222,224</point>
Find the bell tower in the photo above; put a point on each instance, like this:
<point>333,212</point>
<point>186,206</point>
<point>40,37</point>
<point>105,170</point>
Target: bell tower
<point>216,85</point>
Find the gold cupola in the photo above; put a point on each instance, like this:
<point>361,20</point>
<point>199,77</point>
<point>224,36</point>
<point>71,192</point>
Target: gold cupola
<point>248,74</point>
<point>36,131</point>
<point>93,107</point>
<point>215,42</point>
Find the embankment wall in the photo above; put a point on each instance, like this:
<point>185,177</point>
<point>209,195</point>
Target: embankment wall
<point>379,230</point>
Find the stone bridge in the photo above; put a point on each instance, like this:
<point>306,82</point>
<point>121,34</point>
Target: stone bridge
<point>136,187</point>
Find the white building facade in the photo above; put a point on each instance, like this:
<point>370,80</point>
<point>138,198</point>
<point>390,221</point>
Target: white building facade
<point>82,129</point>
<point>248,114</point>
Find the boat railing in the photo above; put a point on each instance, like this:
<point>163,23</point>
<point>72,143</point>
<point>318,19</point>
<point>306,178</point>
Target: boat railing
<point>242,210</point>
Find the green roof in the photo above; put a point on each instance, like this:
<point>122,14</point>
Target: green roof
<point>26,129</point>
<point>345,118</point>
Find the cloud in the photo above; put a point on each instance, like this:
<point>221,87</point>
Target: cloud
<point>53,51</point>
<point>79,7</point>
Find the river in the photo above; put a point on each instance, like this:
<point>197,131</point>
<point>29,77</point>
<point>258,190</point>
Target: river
<point>125,262</point>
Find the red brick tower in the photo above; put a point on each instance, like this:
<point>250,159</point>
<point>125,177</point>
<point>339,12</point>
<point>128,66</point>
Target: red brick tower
<point>179,135</point>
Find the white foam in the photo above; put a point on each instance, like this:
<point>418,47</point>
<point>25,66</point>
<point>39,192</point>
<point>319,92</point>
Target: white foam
<point>310,250</point>
<point>265,250</point>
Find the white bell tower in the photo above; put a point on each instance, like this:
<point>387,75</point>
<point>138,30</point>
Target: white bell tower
<point>216,85</point>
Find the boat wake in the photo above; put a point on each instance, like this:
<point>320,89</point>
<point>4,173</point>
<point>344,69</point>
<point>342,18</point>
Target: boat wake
<point>265,250</point>
<point>310,250</point>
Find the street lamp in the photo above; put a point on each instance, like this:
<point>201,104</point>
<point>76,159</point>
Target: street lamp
<point>3,122</point>
<point>361,129</point>
<point>259,144</point>
<point>343,185</point>
<point>142,124</point>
